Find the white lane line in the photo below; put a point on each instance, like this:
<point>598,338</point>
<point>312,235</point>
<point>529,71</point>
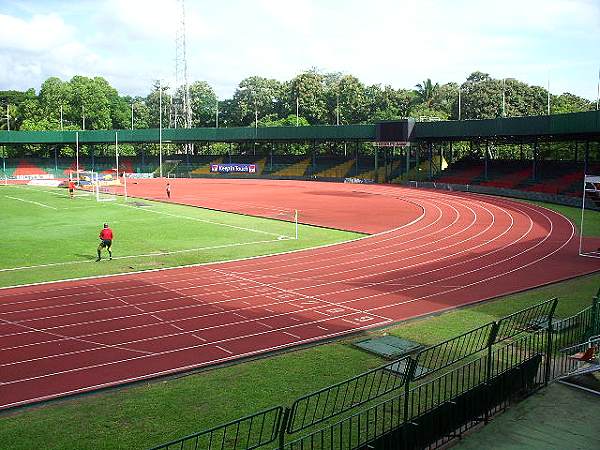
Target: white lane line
<point>31,201</point>
<point>224,349</point>
<point>162,372</point>
<point>295,336</point>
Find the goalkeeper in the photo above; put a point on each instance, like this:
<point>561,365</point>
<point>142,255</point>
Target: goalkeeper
<point>106,238</point>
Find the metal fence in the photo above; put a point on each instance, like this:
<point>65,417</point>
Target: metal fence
<point>444,390</point>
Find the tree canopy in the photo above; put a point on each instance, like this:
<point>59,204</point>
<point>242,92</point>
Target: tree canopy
<point>320,98</point>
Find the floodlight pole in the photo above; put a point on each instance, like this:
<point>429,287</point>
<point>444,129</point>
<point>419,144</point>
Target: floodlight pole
<point>598,89</point>
<point>117,152</point>
<point>217,115</point>
<point>548,96</point>
<point>83,115</point>
<point>581,223</point>
<point>61,117</point>
<point>131,116</point>
<point>459,103</point>
<point>7,117</point>
<point>77,153</point>
<point>504,97</point>
<point>160,129</point>
<point>297,110</point>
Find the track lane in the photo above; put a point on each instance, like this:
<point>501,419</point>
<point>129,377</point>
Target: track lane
<point>450,250</point>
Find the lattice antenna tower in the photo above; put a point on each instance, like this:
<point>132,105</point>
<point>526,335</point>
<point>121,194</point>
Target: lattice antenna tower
<point>182,101</point>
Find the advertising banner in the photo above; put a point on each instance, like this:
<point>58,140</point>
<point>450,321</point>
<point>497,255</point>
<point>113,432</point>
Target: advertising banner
<point>233,168</point>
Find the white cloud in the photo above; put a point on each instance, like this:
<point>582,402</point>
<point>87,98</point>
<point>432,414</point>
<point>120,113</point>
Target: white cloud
<point>392,42</point>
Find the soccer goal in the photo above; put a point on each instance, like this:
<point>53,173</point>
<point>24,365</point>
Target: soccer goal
<point>99,185</point>
<point>589,245</point>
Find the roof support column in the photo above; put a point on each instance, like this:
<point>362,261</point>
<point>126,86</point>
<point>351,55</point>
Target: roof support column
<point>376,165</point>
<point>430,156</point>
<point>486,160</point>
<point>356,159</point>
<point>536,149</point>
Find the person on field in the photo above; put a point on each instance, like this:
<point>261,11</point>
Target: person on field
<point>169,190</point>
<point>71,187</point>
<point>106,238</point>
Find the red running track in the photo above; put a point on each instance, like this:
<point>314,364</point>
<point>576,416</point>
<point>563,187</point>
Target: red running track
<point>433,251</point>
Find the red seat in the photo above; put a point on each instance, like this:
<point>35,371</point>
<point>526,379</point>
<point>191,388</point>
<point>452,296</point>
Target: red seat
<point>584,356</point>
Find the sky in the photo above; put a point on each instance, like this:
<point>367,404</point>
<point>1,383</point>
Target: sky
<point>399,43</point>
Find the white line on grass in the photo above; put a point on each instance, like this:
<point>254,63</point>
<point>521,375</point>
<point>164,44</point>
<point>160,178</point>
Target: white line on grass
<point>202,220</point>
<point>30,201</point>
<point>64,263</point>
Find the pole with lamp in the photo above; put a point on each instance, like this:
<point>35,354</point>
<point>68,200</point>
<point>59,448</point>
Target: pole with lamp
<point>160,168</point>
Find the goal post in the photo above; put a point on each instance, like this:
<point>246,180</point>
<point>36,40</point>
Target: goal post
<point>589,245</point>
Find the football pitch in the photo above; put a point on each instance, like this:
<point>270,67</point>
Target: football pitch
<point>48,236</point>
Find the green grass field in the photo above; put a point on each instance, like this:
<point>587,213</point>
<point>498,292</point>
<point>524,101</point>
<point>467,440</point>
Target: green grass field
<point>150,413</point>
<point>48,236</point>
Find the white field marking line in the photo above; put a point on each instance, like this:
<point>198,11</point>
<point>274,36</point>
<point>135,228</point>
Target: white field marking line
<point>160,353</point>
<point>142,255</point>
<point>196,219</point>
<point>178,369</point>
<point>165,271</point>
<point>495,276</point>
<point>31,201</point>
<point>59,194</point>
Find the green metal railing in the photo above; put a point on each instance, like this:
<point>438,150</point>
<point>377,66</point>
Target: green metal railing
<point>464,381</point>
<point>246,433</point>
<point>341,397</point>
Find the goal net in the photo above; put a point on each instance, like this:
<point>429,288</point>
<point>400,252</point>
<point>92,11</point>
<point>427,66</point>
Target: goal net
<point>100,185</point>
<point>589,235</point>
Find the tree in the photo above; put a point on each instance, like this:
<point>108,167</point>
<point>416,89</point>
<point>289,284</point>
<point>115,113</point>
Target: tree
<point>153,101</point>
<point>569,103</point>
<point>309,89</point>
<point>204,102</point>
<point>426,92</point>
<point>256,96</point>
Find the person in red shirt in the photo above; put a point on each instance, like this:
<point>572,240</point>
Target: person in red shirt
<point>71,188</point>
<point>106,238</point>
